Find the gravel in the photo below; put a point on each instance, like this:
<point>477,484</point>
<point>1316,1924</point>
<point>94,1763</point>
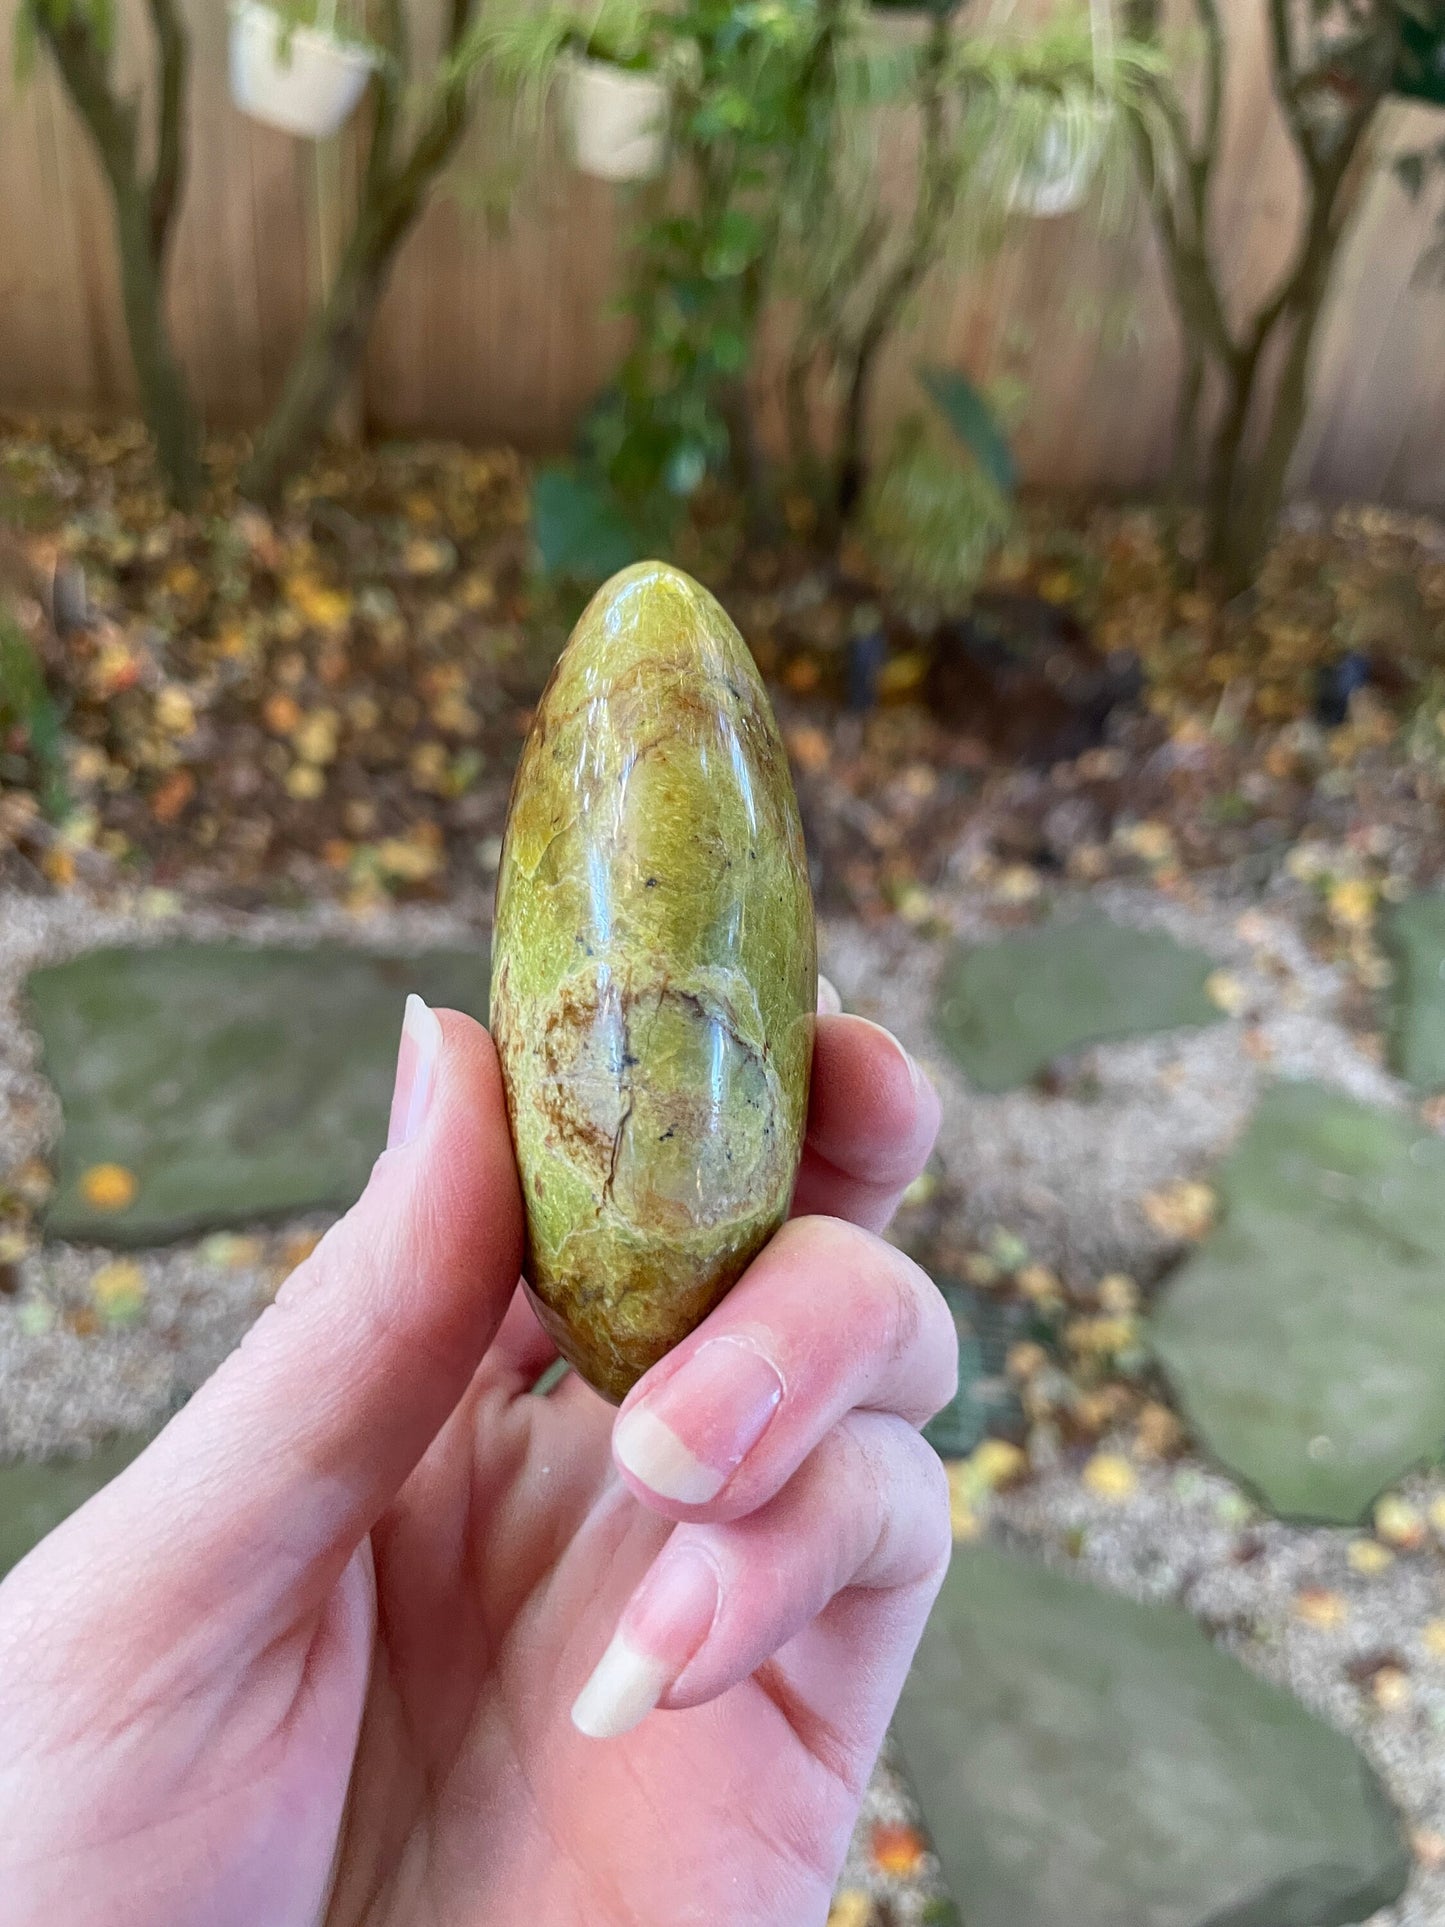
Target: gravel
<point>1064,1173</point>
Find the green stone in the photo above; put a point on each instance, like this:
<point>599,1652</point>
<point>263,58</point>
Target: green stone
<point>1414,934</point>
<point>35,1497</point>
<point>986,1402</point>
<point>1007,1009</point>
<point>1303,1338</point>
<point>1083,1760</point>
<point>654,975</point>
<point>234,1083</point>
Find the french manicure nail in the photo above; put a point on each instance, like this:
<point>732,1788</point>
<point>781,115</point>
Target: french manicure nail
<point>830,1004</point>
<point>623,1690</point>
<point>666,1621</point>
<point>685,1440</point>
<point>417,1058</point>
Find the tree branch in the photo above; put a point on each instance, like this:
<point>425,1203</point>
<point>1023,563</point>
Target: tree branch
<point>390,87</point>
<point>1213,25</point>
<point>165,184</point>
<point>1285,81</point>
<point>112,122</point>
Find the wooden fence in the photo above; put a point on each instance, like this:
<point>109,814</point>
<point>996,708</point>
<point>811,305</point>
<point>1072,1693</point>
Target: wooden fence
<point>488,334</point>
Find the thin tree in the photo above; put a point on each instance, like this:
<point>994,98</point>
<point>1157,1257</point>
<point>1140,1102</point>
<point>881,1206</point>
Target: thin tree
<point>395,183</point>
<point>80,37</point>
<point>397,177</point>
<point>1332,72</point>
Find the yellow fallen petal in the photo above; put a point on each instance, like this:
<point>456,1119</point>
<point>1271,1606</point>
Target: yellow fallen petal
<point>175,711</point>
<point>996,1463</point>
<point>1317,1606</point>
<point>1352,902</point>
<point>1399,1523</point>
<point>1391,1689</point>
<point>1226,992</point>
<point>119,1290</point>
<point>1118,1294</point>
<point>1432,1638</point>
<point>851,1908</point>
<point>1368,1556</point>
<point>1110,1475</point>
<point>305,782</point>
<point>1184,1210</point>
<point>108,1187</point>
<point>962,1492</point>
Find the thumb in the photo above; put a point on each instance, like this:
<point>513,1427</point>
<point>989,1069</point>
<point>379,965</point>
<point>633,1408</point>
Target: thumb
<point>257,1493</point>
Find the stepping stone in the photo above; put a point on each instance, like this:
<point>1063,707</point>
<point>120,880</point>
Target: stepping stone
<point>1303,1339</point>
<point>1006,1010</point>
<point>1415,936</point>
<point>34,1498</point>
<point>222,1083</point>
<point>1086,1761</point>
<point>986,1402</point>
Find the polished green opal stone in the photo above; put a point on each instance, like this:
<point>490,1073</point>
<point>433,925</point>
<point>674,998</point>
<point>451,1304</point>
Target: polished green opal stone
<point>654,975</point>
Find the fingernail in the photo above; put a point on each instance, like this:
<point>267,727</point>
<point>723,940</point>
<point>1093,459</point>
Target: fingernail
<point>917,1076</point>
<point>665,1623</point>
<point>685,1440</point>
<point>830,1004</point>
<point>416,1072</point>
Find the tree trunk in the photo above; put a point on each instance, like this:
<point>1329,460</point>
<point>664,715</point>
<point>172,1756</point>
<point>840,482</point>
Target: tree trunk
<point>1222,494</point>
<point>164,399</point>
<point>143,212</point>
<point>391,199</point>
<point>325,363</point>
<point>937,185</point>
<point>852,434</point>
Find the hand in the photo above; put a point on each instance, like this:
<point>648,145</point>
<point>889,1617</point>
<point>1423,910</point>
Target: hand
<point>314,1655</point>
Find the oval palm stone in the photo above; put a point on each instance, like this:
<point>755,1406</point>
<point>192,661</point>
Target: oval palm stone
<point>654,975</point>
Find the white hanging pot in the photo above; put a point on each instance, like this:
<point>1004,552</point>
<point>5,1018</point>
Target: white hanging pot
<point>1056,177</point>
<point>617,119</point>
<point>305,81</point>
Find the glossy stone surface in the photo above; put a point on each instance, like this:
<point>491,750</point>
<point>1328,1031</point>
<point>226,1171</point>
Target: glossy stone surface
<point>654,975</point>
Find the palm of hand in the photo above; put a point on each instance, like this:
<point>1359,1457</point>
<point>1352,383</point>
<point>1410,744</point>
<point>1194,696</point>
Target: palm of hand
<point>502,1569</point>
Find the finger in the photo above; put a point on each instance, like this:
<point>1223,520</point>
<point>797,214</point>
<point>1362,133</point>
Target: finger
<point>521,1348</point>
<point>828,1317</point>
<point>872,1119</point>
<point>868,1510</point>
<point>262,1486</point>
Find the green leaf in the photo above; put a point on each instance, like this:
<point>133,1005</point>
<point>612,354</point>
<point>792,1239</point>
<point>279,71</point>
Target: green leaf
<point>580,530</point>
<point>975,424</point>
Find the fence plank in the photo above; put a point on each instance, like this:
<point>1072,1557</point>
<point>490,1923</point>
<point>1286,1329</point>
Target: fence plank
<point>487,333</point>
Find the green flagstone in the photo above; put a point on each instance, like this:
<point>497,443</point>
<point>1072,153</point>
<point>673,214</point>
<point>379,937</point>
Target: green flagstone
<point>233,1083</point>
<point>1414,933</point>
<point>1306,1338</point>
<point>35,1497</point>
<point>1006,1009</point>
<point>1086,1761</point>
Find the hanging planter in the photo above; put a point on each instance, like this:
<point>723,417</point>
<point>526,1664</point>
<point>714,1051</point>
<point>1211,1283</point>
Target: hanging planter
<point>1055,177</point>
<point>1056,169</point>
<point>303,79</point>
<point>617,118</point>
